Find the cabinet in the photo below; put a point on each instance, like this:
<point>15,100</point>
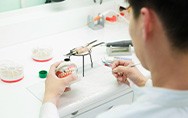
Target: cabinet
<point>95,109</point>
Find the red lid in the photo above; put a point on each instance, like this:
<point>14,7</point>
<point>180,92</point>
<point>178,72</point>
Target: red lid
<point>112,19</point>
<point>41,60</point>
<point>12,81</point>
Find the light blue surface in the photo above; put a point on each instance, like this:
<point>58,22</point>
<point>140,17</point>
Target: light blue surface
<point>29,3</point>
<point>7,5</point>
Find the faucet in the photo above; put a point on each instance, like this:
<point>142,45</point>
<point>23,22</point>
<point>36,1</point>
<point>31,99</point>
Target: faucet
<point>49,1</point>
<point>100,1</point>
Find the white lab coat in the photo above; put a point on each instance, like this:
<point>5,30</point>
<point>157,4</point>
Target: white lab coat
<point>152,103</point>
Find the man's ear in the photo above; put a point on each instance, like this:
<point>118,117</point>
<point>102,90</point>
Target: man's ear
<point>147,22</point>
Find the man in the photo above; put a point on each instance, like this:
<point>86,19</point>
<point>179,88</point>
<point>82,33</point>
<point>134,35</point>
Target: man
<point>159,31</point>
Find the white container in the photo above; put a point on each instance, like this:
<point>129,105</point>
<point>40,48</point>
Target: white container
<point>11,72</point>
<point>42,54</point>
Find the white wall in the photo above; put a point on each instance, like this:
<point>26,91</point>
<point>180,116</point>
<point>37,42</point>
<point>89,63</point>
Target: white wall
<point>8,5</point>
<point>32,23</point>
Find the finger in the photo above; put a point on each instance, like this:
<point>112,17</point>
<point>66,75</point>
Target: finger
<point>124,80</point>
<point>120,62</point>
<point>119,69</point>
<point>67,89</point>
<point>124,76</point>
<point>119,82</point>
<point>120,79</point>
<point>54,66</point>
<point>115,75</point>
<point>127,82</point>
<point>114,64</point>
<point>118,75</point>
<point>128,62</point>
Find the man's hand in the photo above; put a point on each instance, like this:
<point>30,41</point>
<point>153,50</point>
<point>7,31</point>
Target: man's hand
<point>121,71</point>
<point>54,86</point>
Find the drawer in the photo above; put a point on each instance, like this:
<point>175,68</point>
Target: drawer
<point>92,113</point>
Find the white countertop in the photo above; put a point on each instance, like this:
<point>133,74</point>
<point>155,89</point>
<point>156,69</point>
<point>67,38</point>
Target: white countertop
<point>16,101</point>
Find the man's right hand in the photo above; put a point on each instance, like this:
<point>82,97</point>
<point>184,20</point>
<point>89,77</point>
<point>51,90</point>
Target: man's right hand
<point>55,86</point>
<point>121,71</point>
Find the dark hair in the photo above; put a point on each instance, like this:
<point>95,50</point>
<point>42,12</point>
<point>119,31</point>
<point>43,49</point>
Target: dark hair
<point>174,17</point>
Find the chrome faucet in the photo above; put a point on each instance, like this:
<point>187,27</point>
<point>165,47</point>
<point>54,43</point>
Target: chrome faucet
<point>49,1</point>
<point>100,1</point>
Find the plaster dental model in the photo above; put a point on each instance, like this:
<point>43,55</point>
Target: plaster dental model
<point>83,49</point>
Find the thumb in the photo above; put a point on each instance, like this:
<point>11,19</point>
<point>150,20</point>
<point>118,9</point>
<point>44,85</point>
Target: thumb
<point>119,69</point>
<point>54,66</point>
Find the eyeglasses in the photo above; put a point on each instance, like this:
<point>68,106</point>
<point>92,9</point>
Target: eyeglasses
<point>128,9</point>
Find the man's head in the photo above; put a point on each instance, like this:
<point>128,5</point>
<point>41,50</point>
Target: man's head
<point>161,23</point>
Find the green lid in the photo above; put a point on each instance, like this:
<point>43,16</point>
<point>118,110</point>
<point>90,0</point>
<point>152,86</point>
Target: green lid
<point>43,73</point>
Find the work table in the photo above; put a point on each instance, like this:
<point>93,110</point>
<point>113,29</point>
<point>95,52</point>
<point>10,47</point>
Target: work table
<point>23,99</point>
